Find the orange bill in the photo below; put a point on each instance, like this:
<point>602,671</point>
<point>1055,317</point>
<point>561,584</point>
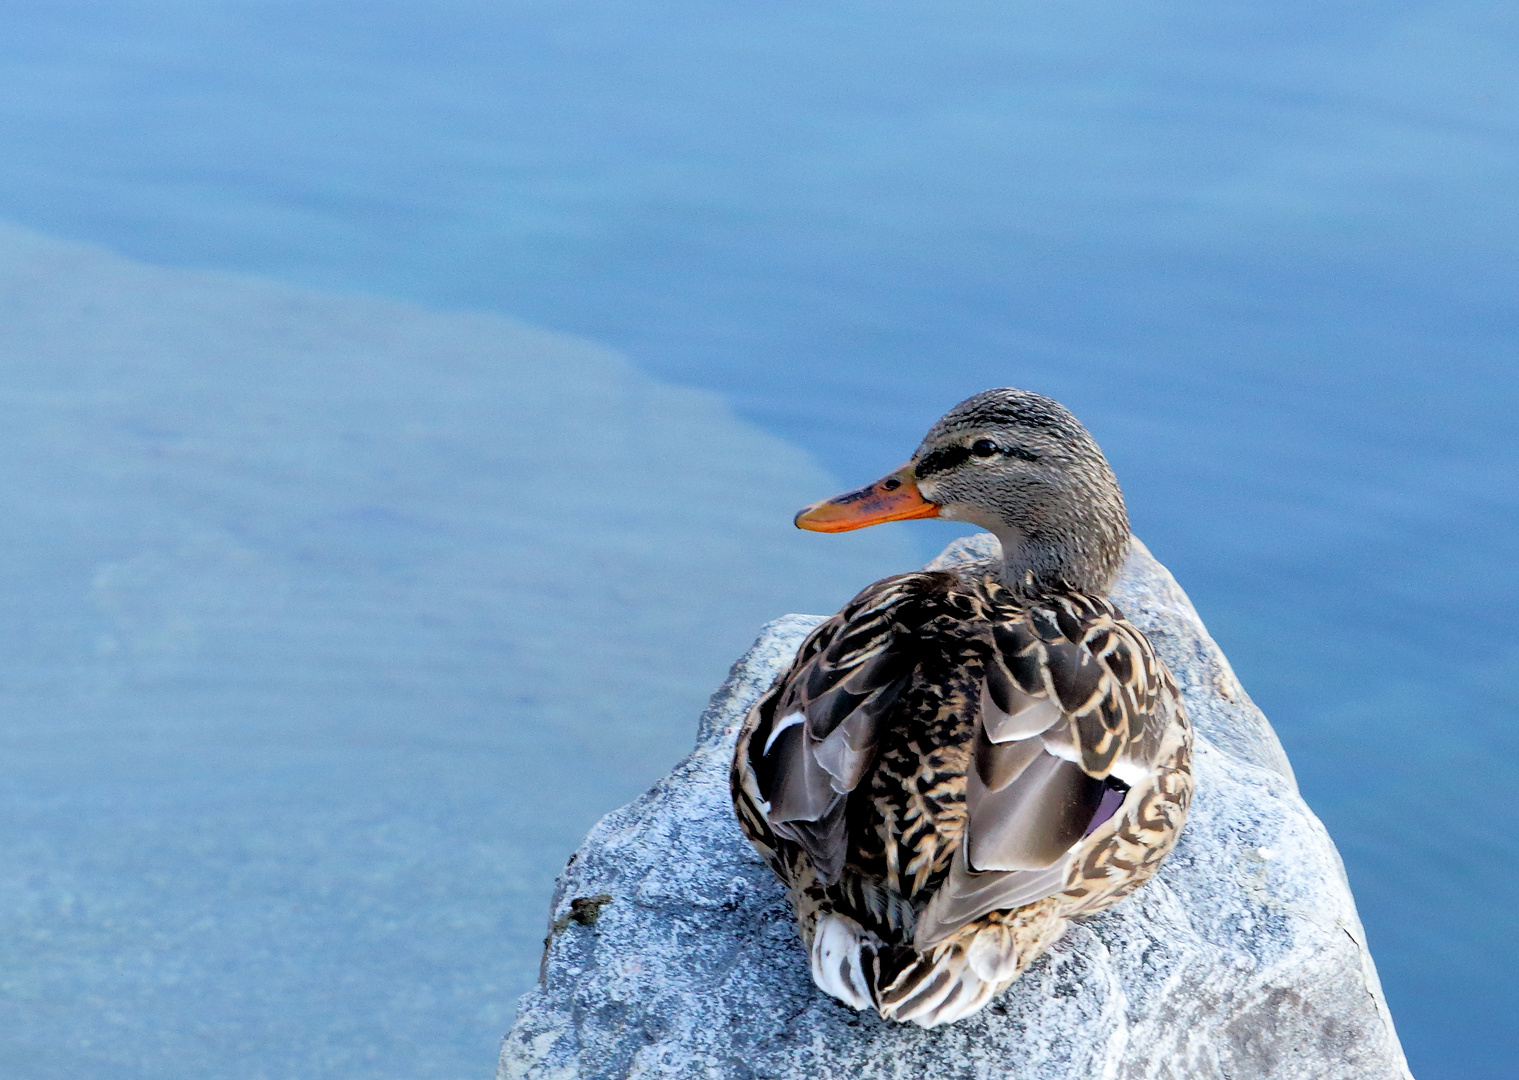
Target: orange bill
<point>892,498</point>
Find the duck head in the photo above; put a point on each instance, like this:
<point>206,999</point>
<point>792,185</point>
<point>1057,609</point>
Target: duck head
<point>1019,465</point>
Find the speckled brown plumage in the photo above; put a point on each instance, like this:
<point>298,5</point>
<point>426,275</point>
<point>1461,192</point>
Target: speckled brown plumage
<point>888,847</point>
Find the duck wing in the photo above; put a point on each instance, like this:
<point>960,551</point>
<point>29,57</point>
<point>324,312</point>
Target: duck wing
<point>1072,712</point>
<point>819,728</point>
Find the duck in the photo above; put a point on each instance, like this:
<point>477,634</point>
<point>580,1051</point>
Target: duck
<point>961,761</point>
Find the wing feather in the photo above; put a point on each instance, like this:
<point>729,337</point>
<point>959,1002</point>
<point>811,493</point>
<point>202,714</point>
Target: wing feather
<point>1070,695</point>
<point>828,713</point>
<point>1031,823</point>
<point>1070,713</point>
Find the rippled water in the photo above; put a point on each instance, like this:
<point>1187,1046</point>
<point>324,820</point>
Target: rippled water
<point>1268,254</point>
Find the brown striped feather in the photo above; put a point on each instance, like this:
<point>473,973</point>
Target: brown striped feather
<point>888,694</point>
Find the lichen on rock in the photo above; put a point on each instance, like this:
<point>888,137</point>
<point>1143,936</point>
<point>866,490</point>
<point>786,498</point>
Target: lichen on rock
<point>1243,958</point>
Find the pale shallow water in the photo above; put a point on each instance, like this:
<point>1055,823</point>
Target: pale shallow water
<point>331,625</point>
<point>1268,256</point>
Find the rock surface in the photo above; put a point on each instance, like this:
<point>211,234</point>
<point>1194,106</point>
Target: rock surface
<point>673,953</point>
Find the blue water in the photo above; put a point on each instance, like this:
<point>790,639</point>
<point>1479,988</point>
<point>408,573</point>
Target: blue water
<point>1267,252</point>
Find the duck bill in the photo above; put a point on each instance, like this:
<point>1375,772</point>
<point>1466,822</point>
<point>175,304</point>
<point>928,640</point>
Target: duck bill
<point>891,498</point>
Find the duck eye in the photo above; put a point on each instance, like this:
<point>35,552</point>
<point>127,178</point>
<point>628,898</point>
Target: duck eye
<point>983,448</point>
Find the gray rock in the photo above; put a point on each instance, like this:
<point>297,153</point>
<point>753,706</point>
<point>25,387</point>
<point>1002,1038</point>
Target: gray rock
<point>673,953</point>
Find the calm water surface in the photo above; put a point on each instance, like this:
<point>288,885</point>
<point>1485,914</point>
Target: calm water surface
<point>1268,254</point>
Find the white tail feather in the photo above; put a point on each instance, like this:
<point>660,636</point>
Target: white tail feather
<point>836,962</point>
<point>940,987</point>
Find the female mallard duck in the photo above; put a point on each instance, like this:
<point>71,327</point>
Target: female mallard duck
<point>960,761</point>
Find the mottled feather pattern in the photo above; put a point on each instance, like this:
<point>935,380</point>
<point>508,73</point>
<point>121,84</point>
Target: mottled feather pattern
<point>888,694</point>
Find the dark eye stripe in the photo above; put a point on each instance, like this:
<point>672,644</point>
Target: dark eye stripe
<point>947,457</point>
<point>941,460</point>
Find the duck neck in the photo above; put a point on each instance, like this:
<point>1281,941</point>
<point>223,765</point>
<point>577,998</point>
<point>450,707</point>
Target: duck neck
<point>1025,565</point>
<point>1034,566</point>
